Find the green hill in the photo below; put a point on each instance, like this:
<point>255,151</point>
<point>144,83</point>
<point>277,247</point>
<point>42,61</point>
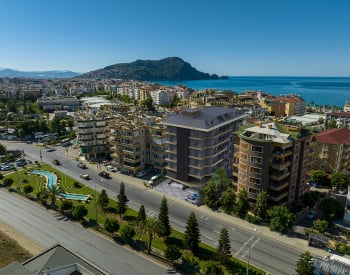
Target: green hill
<point>171,68</point>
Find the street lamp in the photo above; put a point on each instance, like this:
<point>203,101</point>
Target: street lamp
<point>41,156</point>
<point>96,207</point>
<point>250,247</point>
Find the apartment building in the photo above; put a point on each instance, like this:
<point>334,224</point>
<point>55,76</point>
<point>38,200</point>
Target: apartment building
<point>92,135</point>
<point>333,151</point>
<point>342,119</point>
<point>200,141</point>
<point>267,159</point>
<point>53,103</point>
<point>158,146</point>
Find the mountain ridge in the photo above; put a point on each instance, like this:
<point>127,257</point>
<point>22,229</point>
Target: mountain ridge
<point>5,72</point>
<point>166,69</point>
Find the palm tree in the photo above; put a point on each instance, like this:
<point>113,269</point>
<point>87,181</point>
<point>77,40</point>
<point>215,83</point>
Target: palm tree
<point>54,191</point>
<point>151,227</point>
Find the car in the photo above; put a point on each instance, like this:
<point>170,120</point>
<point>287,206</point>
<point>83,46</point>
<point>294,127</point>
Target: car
<point>104,174</point>
<point>342,191</point>
<point>141,173</point>
<point>85,176</point>
<point>82,165</point>
<point>311,215</point>
<point>21,162</point>
<point>105,162</point>
<point>50,149</point>
<point>7,167</point>
<point>56,162</point>
<point>111,168</point>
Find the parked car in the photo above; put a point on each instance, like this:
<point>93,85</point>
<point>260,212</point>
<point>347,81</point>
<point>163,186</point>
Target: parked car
<point>104,174</point>
<point>311,215</point>
<point>141,174</point>
<point>85,176</point>
<point>21,162</point>
<point>111,168</point>
<point>7,167</point>
<point>82,165</point>
<point>50,149</point>
<point>56,162</point>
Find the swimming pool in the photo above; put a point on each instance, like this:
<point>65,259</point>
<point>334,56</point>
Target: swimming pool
<point>51,179</point>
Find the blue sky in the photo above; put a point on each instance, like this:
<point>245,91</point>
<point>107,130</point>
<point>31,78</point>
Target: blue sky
<point>227,37</point>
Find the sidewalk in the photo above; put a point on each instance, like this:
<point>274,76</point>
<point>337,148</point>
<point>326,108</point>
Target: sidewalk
<point>262,231</point>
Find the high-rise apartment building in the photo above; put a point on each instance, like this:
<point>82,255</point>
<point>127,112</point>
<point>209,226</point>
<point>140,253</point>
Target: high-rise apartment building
<point>200,141</point>
<point>266,159</point>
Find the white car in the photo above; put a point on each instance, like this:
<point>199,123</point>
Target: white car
<point>85,176</point>
<point>111,168</point>
<point>140,174</point>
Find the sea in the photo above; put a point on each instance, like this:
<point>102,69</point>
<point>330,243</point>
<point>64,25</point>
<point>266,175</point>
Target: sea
<point>319,90</point>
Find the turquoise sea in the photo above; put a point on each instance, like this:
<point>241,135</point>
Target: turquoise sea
<point>320,90</point>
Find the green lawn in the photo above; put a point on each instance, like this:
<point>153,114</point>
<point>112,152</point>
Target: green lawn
<point>190,262</point>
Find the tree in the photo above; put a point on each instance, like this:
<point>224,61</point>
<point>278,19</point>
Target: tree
<point>43,196</point>
<point>103,200</point>
<point>319,177</point>
<point>141,216</point>
<point>339,180</point>
<point>27,189</point>
<point>261,205</point>
<point>151,227</point>
<point>8,182</point>
<point>127,232</point>
<point>212,268</point>
<point>163,218</point>
<point>172,253</point>
<point>228,201</point>
<point>242,203</point>
<point>66,205</point>
<point>332,123</point>
<point>210,195</point>
<point>304,264</point>
<point>224,247</point>
<point>54,190</point>
<point>121,195</point>
<point>320,226</point>
<point>111,225</point>
<point>79,212</point>
<point>121,207</point>
<point>1,176</point>
<point>281,219</point>
<point>332,209</point>
<point>192,234</point>
<point>2,149</point>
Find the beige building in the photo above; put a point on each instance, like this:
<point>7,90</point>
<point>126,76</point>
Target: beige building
<point>269,158</point>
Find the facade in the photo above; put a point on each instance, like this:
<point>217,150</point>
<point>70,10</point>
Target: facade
<point>295,105</point>
<point>268,160</point>
<point>158,146</point>
<point>92,136</point>
<point>342,119</point>
<point>53,103</point>
<point>333,151</point>
<point>200,141</point>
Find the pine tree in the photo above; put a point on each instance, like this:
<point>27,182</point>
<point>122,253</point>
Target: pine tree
<point>192,234</point>
<point>141,216</point>
<point>304,264</point>
<point>121,195</point>
<point>228,201</point>
<point>224,247</point>
<point>260,209</point>
<point>242,204</point>
<point>163,218</point>
<point>103,199</point>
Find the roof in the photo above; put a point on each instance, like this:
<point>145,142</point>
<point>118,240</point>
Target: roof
<point>205,119</point>
<point>340,114</point>
<point>334,136</point>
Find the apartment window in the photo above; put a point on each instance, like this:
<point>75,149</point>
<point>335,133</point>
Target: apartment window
<point>257,149</point>
<point>244,145</point>
<point>255,170</point>
<point>244,156</point>
<point>243,166</point>
<point>254,180</point>
<point>255,160</point>
<point>253,191</point>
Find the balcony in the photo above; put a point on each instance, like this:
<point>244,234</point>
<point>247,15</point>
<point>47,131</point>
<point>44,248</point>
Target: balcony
<point>281,154</point>
<point>279,176</point>
<point>278,197</point>
<point>280,165</point>
<point>279,187</point>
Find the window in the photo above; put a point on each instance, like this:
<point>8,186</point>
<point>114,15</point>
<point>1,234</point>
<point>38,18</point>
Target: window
<point>244,145</point>
<point>255,160</point>
<point>254,180</point>
<point>255,170</point>
<point>253,191</point>
<point>257,149</point>
<point>244,156</point>
<point>243,166</point>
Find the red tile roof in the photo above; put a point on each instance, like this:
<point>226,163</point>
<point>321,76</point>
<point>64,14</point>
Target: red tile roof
<point>334,136</point>
<point>340,114</point>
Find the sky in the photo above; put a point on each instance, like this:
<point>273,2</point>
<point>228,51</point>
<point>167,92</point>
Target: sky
<point>226,37</point>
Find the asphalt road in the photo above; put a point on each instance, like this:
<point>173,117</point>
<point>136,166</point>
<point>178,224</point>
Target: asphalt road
<point>270,255</point>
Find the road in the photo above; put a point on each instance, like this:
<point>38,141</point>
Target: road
<point>272,256</point>
<point>44,228</point>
